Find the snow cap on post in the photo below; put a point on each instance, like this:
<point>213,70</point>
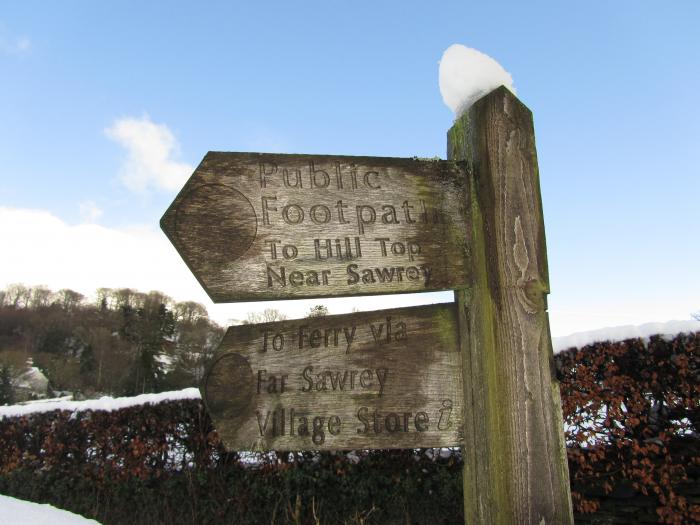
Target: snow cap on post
<point>466,75</point>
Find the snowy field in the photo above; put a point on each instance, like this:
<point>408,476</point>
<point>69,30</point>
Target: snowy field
<point>17,512</point>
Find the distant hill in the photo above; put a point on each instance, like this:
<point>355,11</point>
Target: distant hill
<point>620,333</point>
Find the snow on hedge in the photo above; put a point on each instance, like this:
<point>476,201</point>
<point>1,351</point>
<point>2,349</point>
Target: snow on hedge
<point>104,403</point>
<point>18,512</point>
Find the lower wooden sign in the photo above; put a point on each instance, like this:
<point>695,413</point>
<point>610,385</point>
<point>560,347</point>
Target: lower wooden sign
<point>382,379</point>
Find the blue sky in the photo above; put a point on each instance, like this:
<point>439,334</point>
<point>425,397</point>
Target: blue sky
<point>612,85</point>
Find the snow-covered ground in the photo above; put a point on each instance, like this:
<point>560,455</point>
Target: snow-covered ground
<point>18,512</point>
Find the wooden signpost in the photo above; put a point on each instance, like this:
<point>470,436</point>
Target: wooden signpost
<point>385,379</point>
<point>515,467</point>
<point>255,226</point>
<point>476,373</point>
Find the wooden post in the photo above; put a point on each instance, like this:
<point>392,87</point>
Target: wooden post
<point>515,467</point>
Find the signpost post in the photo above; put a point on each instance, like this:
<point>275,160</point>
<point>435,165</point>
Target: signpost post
<point>475,373</point>
<point>515,467</point>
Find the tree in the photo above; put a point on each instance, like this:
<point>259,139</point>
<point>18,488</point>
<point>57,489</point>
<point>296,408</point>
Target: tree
<point>195,346</point>
<point>104,298</point>
<point>111,360</point>
<point>41,297</point>
<point>7,390</point>
<point>125,342</point>
<point>268,315</point>
<point>17,295</point>
<point>124,297</point>
<point>69,300</point>
<point>150,329</point>
<point>196,339</point>
<point>189,312</point>
<point>318,311</point>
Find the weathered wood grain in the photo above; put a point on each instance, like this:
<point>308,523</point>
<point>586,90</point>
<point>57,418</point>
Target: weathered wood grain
<point>254,226</point>
<point>515,459</point>
<point>336,372</point>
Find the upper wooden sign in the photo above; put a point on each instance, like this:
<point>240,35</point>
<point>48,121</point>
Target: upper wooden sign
<point>257,226</point>
<point>384,379</point>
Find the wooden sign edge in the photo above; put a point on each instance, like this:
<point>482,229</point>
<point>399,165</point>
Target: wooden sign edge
<point>446,307</point>
<point>216,298</point>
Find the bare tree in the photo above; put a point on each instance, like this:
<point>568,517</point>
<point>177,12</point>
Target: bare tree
<point>41,296</point>
<point>154,300</point>
<point>69,299</point>
<point>17,295</point>
<point>190,311</point>
<point>124,297</point>
<point>268,315</point>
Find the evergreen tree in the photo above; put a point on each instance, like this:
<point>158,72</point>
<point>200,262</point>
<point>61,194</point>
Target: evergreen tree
<point>7,392</point>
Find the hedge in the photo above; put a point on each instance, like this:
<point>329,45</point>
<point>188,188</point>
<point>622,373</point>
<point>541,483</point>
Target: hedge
<point>632,417</point>
<point>631,414</point>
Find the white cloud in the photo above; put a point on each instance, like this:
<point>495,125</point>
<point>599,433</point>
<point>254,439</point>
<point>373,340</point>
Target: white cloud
<point>39,248</point>
<point>466,75</point>
<point>152,152</point>
<point>89,211</point>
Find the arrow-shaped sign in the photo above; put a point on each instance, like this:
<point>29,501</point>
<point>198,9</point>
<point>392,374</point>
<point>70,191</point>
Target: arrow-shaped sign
<point>384,379</point>
<point>255,226</point>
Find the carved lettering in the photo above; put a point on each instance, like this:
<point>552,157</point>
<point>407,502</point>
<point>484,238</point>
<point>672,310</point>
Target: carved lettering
<point>297,178</point>
<point>370,180</point>
<point>314,173</point>
<point>320,214</point>
<point>296,214</point>
<point>271,383</point>
<point>388,274</point>
<point>344,380</point>
<point>366,379</point>
<point>363,218</point>
<point>277,340</point>
<point>266,209</point>
<point>293,214</point>
<point>266,170</point>
<point>262,426</point>
<point>345,248</point>
<point>319,177</point>
<point>341,216</point>
<point>296,278</point>
<point>445,411</point>
<point>377,423</point>
<point>318,436</point>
